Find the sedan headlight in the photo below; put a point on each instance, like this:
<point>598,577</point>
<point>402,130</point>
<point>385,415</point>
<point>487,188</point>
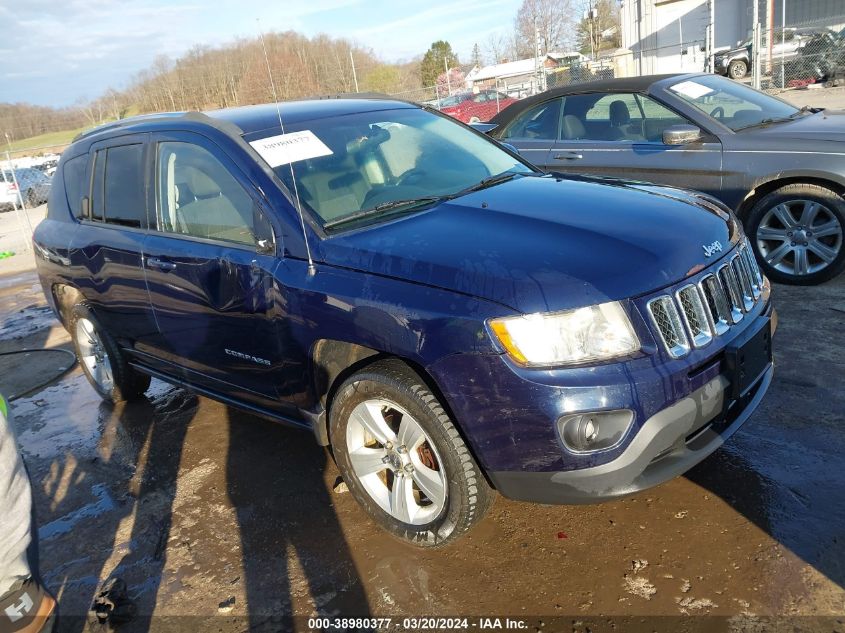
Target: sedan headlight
<point>576,336</point>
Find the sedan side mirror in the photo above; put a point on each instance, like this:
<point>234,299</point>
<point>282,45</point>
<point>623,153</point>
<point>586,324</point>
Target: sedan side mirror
<point>510,148</point>
<point>681,134</point>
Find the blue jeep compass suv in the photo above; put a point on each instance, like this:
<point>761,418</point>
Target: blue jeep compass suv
<point>445,317</point>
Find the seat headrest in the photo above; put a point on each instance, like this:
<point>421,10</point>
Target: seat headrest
<point>201,185</point>
<point>619,113</point>
<point>573,128</point>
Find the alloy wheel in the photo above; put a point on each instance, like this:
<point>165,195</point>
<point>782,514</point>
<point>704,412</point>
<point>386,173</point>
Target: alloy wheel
<point>396,462</point>
<point>93,355</point>
<point>799,237</point>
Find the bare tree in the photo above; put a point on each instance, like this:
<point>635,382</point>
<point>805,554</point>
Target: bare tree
<point>496,48</point>
<point>554,22</point>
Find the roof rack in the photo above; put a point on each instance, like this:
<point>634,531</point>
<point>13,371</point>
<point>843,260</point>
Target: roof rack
<point>140,118</point>
<point>350,95</point>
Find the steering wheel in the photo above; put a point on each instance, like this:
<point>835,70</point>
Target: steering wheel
<point>720,110</point>
<point>412,177</point>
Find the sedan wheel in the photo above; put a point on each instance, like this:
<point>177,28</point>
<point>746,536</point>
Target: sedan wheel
<point>798,234</point>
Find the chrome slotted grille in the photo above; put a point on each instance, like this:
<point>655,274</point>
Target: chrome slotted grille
<point>754,274</point>
<point>717,303</point>
<point>692,309</point>
<point>731,288</point>
<point>700,312</point>
<point>665,317</point>
<point>740,269</point>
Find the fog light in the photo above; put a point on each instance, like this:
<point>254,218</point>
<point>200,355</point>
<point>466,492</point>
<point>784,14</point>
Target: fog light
<point>587,432</point>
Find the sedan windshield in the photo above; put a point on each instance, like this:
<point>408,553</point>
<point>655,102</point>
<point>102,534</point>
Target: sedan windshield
<point>378,164</point>
<point>733,104</point>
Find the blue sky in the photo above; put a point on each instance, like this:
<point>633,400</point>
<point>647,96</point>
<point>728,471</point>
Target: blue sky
<point>55,52</point>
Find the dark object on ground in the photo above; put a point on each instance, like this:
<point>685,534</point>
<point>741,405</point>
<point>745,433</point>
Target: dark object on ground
<point>112,604</point>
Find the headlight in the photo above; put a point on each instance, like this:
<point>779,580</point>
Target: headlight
<point>561,338</point>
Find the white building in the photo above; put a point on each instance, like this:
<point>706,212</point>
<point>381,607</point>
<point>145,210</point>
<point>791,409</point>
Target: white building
<point>669,35</point>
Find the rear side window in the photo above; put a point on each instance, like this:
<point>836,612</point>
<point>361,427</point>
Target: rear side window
<point>73,176</point>
<point>118,196</point>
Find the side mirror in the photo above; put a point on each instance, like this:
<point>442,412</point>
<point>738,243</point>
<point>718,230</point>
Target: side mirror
<point>265,240</point>
<point>510,148</point>
<point>681,134</point>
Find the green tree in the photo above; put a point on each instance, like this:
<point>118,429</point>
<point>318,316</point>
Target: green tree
<point>476,56</point>
<point>434,61</point>
<point>607,21</point>
<point>382,79</point>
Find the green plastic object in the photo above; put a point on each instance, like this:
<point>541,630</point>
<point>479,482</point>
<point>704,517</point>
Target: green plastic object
<point>5,254</point>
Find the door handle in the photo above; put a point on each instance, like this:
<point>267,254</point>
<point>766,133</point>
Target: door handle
<point>569,156</point>
<point>155,262</point>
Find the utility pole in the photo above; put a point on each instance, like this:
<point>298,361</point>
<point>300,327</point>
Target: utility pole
<point>537,68</point>
<point>711,37</point>
<point>756,43</point>
<point>770,25</point>
<point>782,47</point>
<point>354,75</point>
<point>448,81</point>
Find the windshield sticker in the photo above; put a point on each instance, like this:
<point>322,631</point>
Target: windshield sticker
<point>691,89</point>
<point>290,148</point>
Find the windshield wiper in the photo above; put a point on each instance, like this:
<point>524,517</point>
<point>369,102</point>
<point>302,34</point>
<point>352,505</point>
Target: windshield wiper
<point>382,209</point>
<point>764,122</point>
<point>771,120</point>
<point>490,181</point>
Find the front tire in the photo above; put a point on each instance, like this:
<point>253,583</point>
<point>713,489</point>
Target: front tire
<point>101,360</point>
<point>797,234</point>
<point>737,69</point>
<point>402,458</point>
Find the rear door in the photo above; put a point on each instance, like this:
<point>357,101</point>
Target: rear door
<point>108,246</point>
<point>209,270</point>
<point>621,135</point>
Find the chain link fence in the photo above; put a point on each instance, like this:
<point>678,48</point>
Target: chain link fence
<point>799,54</point>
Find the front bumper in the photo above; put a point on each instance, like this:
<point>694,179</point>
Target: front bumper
<point>684,409</point>
<point>669,444</point>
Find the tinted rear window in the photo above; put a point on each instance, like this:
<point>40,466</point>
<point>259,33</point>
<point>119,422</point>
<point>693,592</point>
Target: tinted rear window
<point>73,175</point>
<point>125,203</point>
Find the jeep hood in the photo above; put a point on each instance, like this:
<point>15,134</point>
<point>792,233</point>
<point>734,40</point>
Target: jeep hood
<point>543,243</point>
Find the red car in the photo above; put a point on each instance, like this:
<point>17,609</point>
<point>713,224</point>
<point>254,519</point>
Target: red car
<point>472,108</point>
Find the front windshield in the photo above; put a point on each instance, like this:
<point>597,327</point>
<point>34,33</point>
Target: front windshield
<point>381,158</point>
<point>731,103</point>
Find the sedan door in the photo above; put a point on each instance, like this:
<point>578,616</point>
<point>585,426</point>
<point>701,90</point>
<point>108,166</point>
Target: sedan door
<point>534,132</point>
<point>209,270</point>
<point>621,136</point>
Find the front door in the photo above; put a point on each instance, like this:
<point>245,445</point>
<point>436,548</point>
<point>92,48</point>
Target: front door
<point>621,136</point>
<point>209,271</point>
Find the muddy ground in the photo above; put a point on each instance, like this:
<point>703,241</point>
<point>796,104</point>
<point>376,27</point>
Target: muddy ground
<point>212,513</point>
